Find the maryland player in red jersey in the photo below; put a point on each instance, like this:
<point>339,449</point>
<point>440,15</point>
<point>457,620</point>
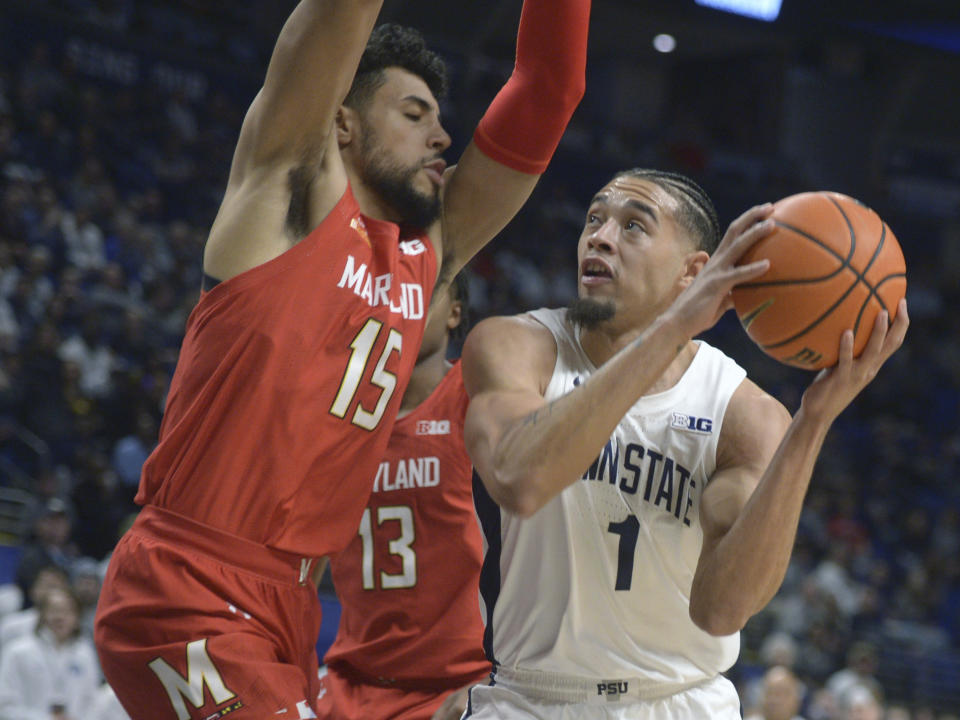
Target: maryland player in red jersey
<point>321,263</point>
<point>410,636</point>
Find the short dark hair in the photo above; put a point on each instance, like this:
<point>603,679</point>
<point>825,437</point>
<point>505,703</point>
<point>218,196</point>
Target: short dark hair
<point>696,212</point>
<point>396,46</point>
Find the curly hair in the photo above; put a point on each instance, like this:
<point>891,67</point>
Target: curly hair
<point>396,46</point>
<point>696,212</point>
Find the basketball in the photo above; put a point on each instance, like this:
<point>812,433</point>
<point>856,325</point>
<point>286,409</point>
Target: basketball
<point>834,265</point>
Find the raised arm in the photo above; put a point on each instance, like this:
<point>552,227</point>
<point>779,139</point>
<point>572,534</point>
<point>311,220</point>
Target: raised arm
<point>527,450</point>
<point>309,74</point>
<point>287,145</point>
<point>518,134</point>
<point>751,507</point>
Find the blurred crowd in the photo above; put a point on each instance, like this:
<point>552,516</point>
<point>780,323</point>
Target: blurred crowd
<point>106,194</point>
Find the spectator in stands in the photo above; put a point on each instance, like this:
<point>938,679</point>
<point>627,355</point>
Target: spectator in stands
<point>132,450</point>
<point>859,703</point>
<point>24,622</point>
<point>780,698</point>
<point>862,659</point>
<point>778,649</point>
<point>51,544</point>
<point>53,672</point>
<point>86,581</point>
<point>88,350</point>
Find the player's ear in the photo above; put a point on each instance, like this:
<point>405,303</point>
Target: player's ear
<point>346,123</point>
<point>692,265</point>
<point>456,315</point>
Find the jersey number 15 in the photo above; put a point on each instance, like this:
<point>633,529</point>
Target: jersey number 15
<point>362,347</point>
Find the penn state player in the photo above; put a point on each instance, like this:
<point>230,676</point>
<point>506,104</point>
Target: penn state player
<point>410,636</point>
<point>320,265</point>
<point>639,495</point>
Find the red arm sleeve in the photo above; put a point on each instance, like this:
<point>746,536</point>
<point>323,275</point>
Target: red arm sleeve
<point>522,127</point>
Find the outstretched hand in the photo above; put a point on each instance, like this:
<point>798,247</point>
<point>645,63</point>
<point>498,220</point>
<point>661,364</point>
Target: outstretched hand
<point>834,388</point>
<point>708,297</point>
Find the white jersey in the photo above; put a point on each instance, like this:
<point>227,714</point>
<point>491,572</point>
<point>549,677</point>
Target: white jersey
<point>596,584</point>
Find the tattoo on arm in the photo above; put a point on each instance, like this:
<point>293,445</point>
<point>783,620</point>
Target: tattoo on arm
<point>534,417</point>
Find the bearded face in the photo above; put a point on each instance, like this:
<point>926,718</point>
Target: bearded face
<point>394,182</point>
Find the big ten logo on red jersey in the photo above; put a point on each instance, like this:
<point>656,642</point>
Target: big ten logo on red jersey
<point>412,247</point>
<point>420,472</point>
<point>378,290</point>
<point>433,427</point>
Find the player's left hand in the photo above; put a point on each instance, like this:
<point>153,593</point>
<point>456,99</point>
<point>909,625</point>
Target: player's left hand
<point>836,387</point>
<point>454,706</point>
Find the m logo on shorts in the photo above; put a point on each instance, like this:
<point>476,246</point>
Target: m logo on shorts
<point>201,672</point>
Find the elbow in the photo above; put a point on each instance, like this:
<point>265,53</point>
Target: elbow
<point>515,493</point>
<point>716,620</point>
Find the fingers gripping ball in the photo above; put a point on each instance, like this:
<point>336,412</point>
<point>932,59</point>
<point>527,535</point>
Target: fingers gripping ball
<point>834,265</point>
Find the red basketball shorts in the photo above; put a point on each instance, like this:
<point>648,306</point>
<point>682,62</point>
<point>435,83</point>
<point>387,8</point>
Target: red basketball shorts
<point>196,624</point>
<point>343,698</point>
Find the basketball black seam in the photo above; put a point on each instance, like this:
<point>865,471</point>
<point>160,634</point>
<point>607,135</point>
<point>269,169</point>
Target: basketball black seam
<point>875,293</point>
<point>872,290</point>
<point>859,277</point>
<point>846,263</point>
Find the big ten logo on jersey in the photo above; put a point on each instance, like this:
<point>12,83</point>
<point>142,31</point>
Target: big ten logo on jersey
<point>691,423</point>
<point>412,247</point>
<point>433,427</point>
<point>378,290</point>
<point>420,472</point>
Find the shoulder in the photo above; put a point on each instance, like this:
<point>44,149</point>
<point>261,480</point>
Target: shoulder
<point>753,426</point>
<point>500,348</point>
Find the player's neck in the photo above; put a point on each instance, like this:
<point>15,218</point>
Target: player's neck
<point>600,344</point>
<point>426,375</point>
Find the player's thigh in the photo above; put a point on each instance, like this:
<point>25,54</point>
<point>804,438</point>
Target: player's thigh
<point>716,699</point>
<point>235,674</point>
<point>493,702</point>
<point>180,636</point>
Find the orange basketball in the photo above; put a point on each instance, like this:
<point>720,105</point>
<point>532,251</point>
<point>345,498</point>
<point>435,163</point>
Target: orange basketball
<point>834,265</point>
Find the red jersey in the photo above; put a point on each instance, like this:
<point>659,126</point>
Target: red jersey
<point>288,384</point>
<point>408,582</point>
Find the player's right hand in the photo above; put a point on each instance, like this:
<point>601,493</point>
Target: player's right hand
<point>707,298</point>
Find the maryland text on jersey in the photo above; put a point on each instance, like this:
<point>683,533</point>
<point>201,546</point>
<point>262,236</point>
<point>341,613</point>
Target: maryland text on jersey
<point>377,290</point>
<point>418,472</point>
